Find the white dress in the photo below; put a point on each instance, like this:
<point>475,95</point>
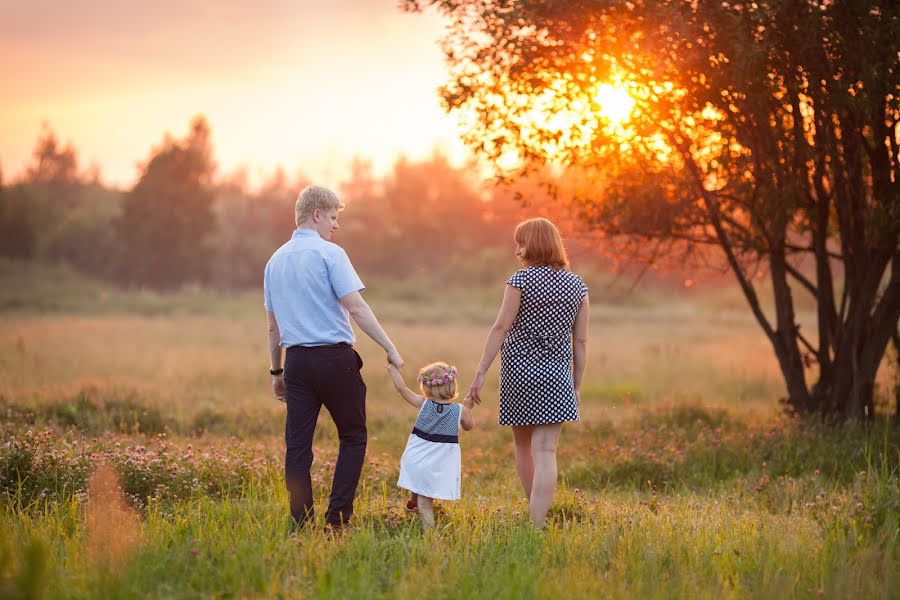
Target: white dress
<point>431,464</point>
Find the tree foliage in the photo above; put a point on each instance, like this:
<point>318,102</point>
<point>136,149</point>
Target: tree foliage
<point>251,225</point>
<point>766,129</point>
<point>425,219</point>
<point>53,212</point>
<point>167,219</point>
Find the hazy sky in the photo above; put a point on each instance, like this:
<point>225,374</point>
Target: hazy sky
<point>299,83</point>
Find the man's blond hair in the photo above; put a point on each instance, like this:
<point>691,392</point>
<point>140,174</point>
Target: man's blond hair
<point>312,198</point>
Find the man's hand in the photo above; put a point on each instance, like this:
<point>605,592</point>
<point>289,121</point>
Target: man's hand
<point>278,387</point>
<point>394,358</point>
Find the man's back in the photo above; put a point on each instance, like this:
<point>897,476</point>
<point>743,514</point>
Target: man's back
<point>303,284</point>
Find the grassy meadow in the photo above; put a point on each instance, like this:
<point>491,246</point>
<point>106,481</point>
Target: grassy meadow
<point>141,454</point>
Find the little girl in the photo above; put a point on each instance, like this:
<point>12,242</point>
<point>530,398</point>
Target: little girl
<point>430,465</point>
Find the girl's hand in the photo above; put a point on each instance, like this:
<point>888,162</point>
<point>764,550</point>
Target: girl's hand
<point>474,394</point>
<point>469,402</point>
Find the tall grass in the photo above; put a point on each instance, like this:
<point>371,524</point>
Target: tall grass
<point>148,428</point>
<point>619,544</point>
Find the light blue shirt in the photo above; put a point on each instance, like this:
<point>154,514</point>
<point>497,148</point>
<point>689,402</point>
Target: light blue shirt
<point>303,284</point>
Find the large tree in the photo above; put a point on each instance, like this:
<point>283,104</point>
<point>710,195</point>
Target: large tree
<point>167,219</point>
<point>766,129</point>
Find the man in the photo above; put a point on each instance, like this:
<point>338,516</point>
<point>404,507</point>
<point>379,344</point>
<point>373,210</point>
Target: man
<point>311,290</point>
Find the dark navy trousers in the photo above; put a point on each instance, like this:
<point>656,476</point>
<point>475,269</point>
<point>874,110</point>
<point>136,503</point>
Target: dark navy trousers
<point>315,377</point>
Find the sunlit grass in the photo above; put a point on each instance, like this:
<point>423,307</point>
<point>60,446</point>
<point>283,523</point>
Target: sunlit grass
<point>620,544</point>
<point>683,478</point>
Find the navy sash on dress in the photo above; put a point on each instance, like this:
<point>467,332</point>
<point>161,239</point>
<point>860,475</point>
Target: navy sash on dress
<point>436,437</point>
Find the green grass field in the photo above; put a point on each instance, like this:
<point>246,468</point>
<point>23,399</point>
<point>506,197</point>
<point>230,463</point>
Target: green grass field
<point>683,479</point>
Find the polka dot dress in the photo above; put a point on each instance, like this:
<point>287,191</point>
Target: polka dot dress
<point>536,384</point>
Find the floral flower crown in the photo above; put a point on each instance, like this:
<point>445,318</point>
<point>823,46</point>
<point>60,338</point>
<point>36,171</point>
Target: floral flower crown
<point>437,378</point>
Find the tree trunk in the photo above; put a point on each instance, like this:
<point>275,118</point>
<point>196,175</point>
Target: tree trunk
<point>869,327</point>
<point>895,337</point>
<point>785,336</point>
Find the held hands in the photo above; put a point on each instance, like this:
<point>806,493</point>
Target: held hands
<point>474,395</point>
<point>394,359</point>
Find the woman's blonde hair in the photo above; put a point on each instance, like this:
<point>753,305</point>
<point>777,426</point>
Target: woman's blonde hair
<point>430,375</point>
<point>315,197</point>
<point>543,244</point>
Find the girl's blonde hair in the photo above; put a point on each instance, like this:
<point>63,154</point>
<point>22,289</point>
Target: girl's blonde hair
<point>543,244</point>
<point>437,381</point>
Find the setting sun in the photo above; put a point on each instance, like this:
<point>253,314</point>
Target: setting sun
<point>615,103</point>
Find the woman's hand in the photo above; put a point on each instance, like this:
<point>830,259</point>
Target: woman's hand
<point>474,394</point>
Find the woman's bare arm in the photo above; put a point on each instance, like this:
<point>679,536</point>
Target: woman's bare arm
<point>512,299</point>
<point>579,343</point>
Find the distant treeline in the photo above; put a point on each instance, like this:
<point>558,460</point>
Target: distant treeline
<point>181,225</point>
<point>184,224</point>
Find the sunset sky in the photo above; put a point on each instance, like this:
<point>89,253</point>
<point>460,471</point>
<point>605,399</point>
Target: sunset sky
<point>302,84</point>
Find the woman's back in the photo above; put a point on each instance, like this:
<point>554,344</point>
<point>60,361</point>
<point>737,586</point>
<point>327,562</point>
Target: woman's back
<point>542,329</point>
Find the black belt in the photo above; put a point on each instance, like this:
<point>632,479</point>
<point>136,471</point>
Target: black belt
<point>338,345</point>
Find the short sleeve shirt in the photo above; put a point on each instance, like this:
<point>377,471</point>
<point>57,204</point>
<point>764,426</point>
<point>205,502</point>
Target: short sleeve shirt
<point>303,284</point>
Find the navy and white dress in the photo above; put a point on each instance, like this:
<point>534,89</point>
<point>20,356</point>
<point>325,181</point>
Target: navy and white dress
<point>536,384</point>
<point>431,464</point>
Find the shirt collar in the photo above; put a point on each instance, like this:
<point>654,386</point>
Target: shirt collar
<point>298,233</point>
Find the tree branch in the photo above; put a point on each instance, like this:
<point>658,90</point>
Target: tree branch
<point>802,279</point>
<point>811,249</point>
<point>806,342</point>
<point>715,216</point>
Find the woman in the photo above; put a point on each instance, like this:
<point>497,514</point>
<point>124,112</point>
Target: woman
<point>542,328</point>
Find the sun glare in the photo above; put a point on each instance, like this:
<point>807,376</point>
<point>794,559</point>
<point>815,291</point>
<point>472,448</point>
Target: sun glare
<point>615,103</point>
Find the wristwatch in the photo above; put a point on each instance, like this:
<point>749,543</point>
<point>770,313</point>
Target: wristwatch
<point>277,371</point>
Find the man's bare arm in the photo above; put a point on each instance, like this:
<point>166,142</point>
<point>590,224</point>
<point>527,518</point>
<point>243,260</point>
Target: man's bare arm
<point>275,355</point>
<point>364,317</point>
